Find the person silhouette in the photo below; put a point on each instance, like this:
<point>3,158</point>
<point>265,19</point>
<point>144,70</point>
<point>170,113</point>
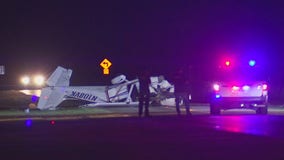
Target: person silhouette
<point>181,91</point>
<point>144,93</point>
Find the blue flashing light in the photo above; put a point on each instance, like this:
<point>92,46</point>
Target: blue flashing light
<point>252,63</point>
<point>28,123</point>
<point>217,96</point>
<point>34,98</point>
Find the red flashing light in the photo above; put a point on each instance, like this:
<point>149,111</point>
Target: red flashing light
<point>52,122</point>
<point>227,63</point>
<point>264,87</point>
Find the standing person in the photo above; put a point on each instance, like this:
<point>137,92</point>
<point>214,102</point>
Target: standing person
<point>144,93</point>
<point>182,91</point>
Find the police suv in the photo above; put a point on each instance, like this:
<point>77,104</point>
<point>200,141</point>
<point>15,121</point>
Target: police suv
<point>239,86</point>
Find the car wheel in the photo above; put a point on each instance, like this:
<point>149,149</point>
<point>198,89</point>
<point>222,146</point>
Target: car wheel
<point>214,109</point>
<point>262,110</point>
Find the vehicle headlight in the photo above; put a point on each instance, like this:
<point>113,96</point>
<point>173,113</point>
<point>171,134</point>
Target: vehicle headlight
<point>39,80</point>
<point>25,80</point>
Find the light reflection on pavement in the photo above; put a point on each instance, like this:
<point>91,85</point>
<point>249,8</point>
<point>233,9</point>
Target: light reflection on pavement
<point>252,124</point>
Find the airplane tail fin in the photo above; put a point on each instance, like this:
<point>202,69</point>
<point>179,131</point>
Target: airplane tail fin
<point>60,77</point>
<point>52,95</point>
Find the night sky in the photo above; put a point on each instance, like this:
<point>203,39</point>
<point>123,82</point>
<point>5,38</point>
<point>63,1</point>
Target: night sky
<point>37,36</point>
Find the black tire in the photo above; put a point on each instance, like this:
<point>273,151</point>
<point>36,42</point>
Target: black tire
<point>214,109</point>
<point>262,110</point>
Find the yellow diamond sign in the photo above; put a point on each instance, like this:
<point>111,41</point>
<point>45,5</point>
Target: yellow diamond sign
<point>105,63</point>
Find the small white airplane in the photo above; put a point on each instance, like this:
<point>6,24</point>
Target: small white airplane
<point>121,92</point>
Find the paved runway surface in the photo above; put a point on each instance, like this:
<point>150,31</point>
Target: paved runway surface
<point>201,136</point>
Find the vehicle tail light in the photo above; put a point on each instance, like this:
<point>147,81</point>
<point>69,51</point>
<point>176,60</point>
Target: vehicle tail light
<point>264,87</point>
<point>216,87</point>
<point>235,88</point>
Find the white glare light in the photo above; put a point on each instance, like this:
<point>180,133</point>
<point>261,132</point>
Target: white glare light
<point>25,80</point>
<point>39,80</point>
<point>216,87</point>
<point>235,88</point>
<point>245,88</point>
<point>264,87</point>
<point>252,63</point>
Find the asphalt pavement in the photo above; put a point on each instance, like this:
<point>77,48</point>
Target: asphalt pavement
<point>164,136</point>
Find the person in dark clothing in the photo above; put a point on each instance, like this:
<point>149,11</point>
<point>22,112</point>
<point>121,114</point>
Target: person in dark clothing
<point>182,91</point>
<point>144,93</point>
